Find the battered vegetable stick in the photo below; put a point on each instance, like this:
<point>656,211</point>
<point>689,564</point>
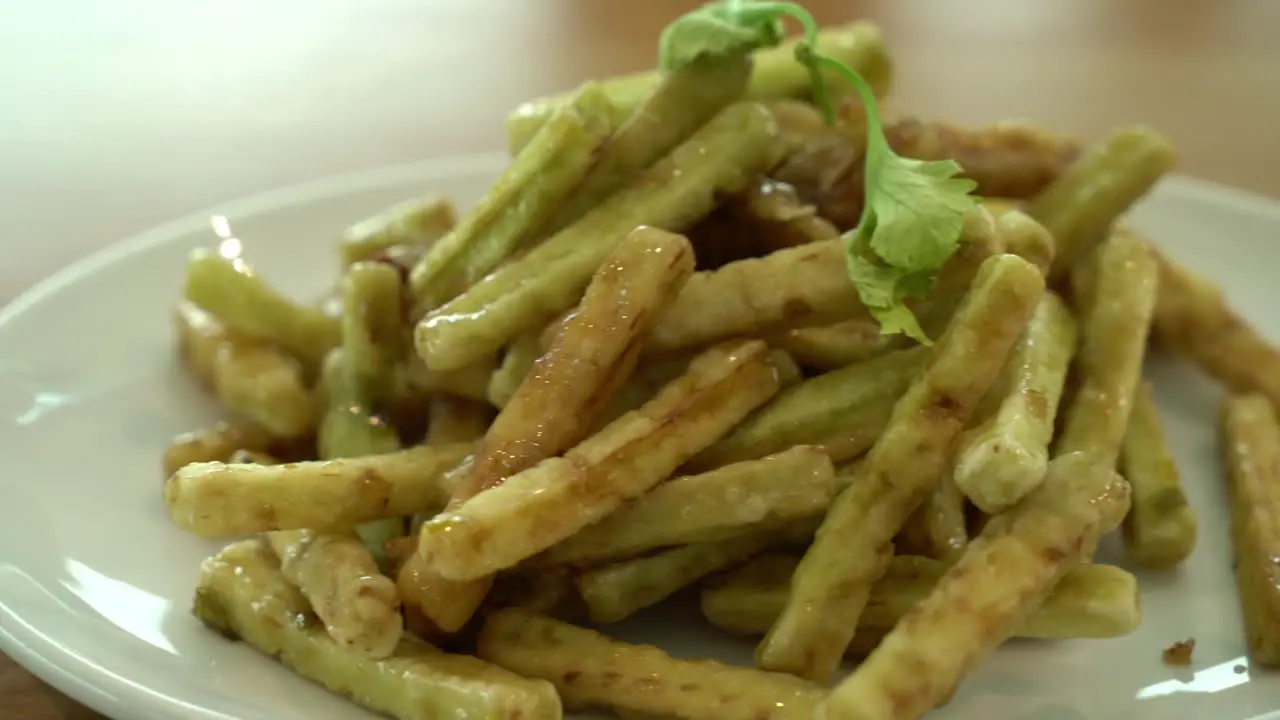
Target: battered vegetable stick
<point>215,443</point>
<point>775,74</point>
<point>519,204</point>
<point>221,500</point>
<point>1026,238</point>
<point>373,338</point>
<point>1160,530</point>
<point>456,419</point>
<point>722,157</point>
<point>719,504</point>
<point>805,285</point>
<point>1252,439</point>
<point>517,361</point>
<point>1080,206</point>
<point>1113,341</point>
<point>1193,318</point>
<point>594,671</point>
<point>252,379</point>
<point>1004,457</point>
<point>1090,601</point>
<point>471,381</point>
<point>535,509</point>
<point>556,404</point>
<point>242,595</point>
<point>1005,573</point>
<point>831,585</point>
<point>938,529</point>
<point>843,411</point>
<point>417,223</point>
<point>767,217</point>
<point>831,347</point>
<point>243,302</point>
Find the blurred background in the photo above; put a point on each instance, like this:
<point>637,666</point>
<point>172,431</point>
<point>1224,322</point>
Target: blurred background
<point>116,116</point>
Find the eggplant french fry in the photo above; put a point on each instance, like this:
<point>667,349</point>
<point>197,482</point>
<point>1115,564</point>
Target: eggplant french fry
<point>416,223</point>
<point>1251,436</point>
<point>242,595</point>
<point>805,285</point>
<point>938,529</point>
<point>520,202</point>
<point>831,347</point>
<point>517,361</point>
<point>215,443</point>
<point>223,500</point>
<point>1026,238</point>
<point>722,157</point>
<point>1193,318</point>
<point>1005,573</point>
<point>555,405</point>
<point>716,505</point>
<point>1090,601</point>
<point>1113,342</point>
<point>774,74</point>
<point>250,377</point>
<point>534,509</point>
<point>454,419</point>
<point>1080,207</point>
<point>592,671</point>
<point>843,411</point>
<point>1160,530</point>
<point>1005,456</point>
<point>833,581</point>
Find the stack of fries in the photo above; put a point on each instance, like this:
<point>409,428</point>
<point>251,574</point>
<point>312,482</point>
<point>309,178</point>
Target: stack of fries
<point>639,366</point>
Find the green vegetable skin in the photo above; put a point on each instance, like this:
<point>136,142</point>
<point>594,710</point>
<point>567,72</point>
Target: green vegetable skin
<point>243,302</point>
<point>722,157</point>
<point>775,74</point>
<point>414,223</point>
<point>520,202</point>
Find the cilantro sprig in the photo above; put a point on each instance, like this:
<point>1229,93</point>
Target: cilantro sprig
<point>913,213</point>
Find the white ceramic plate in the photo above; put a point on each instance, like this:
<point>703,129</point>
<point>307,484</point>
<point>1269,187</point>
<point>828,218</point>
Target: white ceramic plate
<point>95,582</point>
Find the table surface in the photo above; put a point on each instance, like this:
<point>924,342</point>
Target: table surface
<point>119,116</point>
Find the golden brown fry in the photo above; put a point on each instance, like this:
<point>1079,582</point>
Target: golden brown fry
<point>552,500</point>
<point>1091,601</point>
<point>833,582</point>
<point>1252,439</point>
<point>594,671</point>
<point>517,361</point>
<point>1113,342</point>
<point>938,529</point>
<point>456,419</point>
<point>1160,530</point>
<point>555,405</point>
<point>1005,573</point>
<point>806,285</point>
<point>249,377</point>
<point>1193,318</point>
<point>831,347</point>
<point>214,443</point>
<point>242,595</point>
<point>220,500</point>
<point>767,216</point>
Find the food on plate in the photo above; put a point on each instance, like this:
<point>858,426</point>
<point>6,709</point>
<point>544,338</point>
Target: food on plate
<point>871,386</point>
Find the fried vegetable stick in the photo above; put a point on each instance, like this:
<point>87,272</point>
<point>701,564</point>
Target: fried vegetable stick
<point>524,198</point>
<point>416,223</point>
<point>1004,457</point>
<point>843,411</point>
<point>1113,341</point>
<point>221,500</point>
<point>1193,318</point>
<point>1252,447</point>
<point>553,409</point>
<point>775,74</point>
<point>805,285</point>
<point>1080,207</point>
<point>415,380</point>
<point>767,217</point>
<point>517,361</point>
<point>833,581</point>
<point>1160,530</point>
<point>230,291</point>
<point>1090,601</point>
<point>716,505</point>
<point>594,671</point>
<point>722,157</point>
<point>252,379</point>
<point>456,419</point>
<point>536,508</point>
<point>1026,238</point>
<point>939,528</point>
<point>242,595</point>
<point>1006,572</point>
<point>215,443</point>
<point>831,347</point>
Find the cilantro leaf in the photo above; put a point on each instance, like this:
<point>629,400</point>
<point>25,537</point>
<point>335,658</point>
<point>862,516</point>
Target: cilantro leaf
<point>718,30</point>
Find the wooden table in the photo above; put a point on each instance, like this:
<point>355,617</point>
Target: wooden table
<point>117,116</point>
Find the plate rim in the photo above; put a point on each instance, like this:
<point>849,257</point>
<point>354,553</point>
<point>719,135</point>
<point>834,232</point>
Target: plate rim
<point>115,696</point>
